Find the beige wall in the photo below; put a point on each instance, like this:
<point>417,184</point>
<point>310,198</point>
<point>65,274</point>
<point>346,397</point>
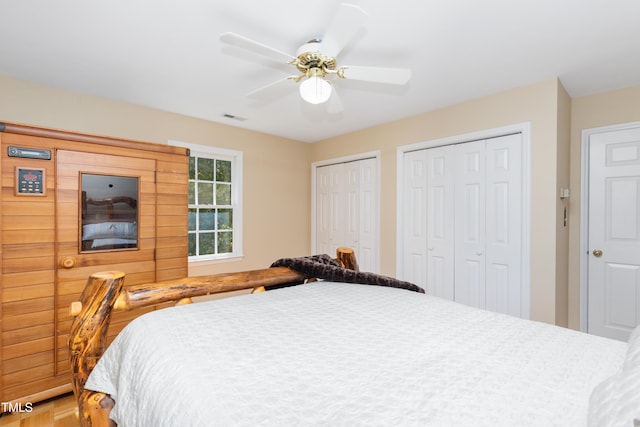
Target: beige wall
<point>276,170</point>
<point>543,104</point>
<point>562,228</point>
<point>605,109</point>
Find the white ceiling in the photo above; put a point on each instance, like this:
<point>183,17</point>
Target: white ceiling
<point>166,54</point>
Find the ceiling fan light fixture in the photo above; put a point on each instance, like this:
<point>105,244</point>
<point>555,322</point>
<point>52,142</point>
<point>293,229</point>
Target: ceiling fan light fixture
<point>316,60</point>
<point>315,89</point>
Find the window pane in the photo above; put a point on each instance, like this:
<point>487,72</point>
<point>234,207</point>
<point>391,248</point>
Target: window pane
<point>192,168</point>
<point>192,244</point>
<point>207,243</point>
<point>223,194</point>
<point>192,193</point>
<point>205,193</point>
<point>205,169</point>
<point>192,219</point>
<point>206,219</point>
<point>225,219</point>
<point>223,171</point>
<point>225,242</point>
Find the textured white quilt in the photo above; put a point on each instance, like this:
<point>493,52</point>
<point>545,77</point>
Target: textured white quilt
<point>334,354</point>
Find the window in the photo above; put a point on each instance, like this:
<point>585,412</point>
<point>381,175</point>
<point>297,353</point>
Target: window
<point>109,217</point>
<point>215,213</point>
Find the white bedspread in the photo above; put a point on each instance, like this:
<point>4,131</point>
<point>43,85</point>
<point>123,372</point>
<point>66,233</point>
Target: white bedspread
<point>333,354</point>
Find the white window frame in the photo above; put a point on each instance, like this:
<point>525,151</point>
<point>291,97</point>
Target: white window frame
<point>235,157</point>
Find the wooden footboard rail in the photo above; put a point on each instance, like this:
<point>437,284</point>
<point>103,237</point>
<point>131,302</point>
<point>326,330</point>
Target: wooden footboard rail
<point>105,293</point>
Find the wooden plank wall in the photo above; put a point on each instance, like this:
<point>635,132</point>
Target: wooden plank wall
<point>1,279</point>
<point>33,350</point>
<point>28,274</point>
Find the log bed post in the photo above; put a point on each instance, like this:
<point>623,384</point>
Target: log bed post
<point>104,293</point>
<point>87,342</point>
<point>347,258</point>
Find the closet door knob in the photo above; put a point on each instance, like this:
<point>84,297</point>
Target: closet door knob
<point>597,253</point>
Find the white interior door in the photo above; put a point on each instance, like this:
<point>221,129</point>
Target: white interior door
<point>614,233</point>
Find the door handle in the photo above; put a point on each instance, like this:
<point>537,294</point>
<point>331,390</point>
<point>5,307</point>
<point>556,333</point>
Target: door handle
<point>68,262</point>
<point>597,253</point>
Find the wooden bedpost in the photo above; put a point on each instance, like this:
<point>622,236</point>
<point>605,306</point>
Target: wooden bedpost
<point>87,342</point>
<point>347,257</point>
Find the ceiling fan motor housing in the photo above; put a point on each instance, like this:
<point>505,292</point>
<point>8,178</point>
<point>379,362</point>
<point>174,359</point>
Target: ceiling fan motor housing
<point>310,57</point>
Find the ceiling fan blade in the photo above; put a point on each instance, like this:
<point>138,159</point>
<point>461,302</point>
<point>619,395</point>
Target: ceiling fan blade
<point>237,40</point>
<point>394,76</point>
<point>344,25</point>
<point>256,93</point>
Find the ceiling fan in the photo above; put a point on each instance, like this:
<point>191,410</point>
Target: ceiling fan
<point>316,60</point>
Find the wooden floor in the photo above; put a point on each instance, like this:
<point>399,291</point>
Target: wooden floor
<point>59,412</point>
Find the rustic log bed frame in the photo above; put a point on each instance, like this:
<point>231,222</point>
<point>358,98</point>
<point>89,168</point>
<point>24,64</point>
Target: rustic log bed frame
<point>105,293</point>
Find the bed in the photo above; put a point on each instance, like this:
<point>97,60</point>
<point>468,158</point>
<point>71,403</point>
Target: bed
<point>331,353</point>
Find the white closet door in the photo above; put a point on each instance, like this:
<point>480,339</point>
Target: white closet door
<point>504,225</point>
<point>414,217</point>
<point>489,224</point>
<point>368,215</point>
<point>347,210</point>
<point>440,222</point>
<point>351,188</point>
<point>462,220</point>
<point>470,211</point>
<point>322,209</point>
<point>330,208</point>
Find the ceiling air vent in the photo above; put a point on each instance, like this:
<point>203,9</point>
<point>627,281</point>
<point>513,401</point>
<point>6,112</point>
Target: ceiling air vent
<point>234,117</point>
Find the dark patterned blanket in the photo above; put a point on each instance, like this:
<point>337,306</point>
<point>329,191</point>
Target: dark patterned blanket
<point>326,268</point>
